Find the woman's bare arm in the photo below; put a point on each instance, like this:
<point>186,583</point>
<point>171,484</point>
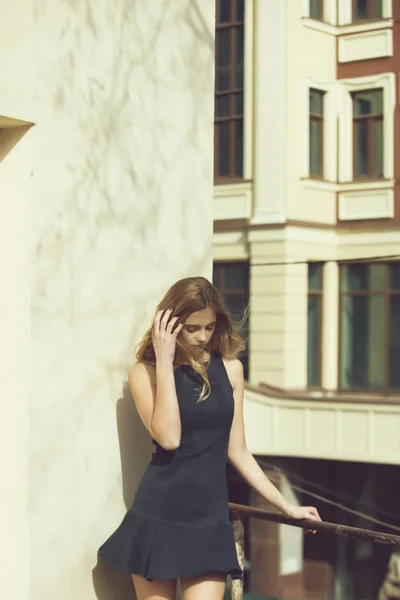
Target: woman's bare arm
<point>154,394</point>
<point>153,388</point>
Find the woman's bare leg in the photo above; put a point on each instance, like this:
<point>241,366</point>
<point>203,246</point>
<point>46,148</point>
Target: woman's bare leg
<point>158,589</point>
<point>210,586</point>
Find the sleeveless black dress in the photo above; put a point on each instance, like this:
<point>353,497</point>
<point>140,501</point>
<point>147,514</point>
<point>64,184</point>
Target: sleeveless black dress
<point>178,525</point>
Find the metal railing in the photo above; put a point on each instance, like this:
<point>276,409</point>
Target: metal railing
<point>238,511</point>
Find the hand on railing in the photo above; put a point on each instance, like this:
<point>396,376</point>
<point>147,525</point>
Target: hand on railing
<point>302,512</point>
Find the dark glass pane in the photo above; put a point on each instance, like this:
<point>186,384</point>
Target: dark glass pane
<point>313,341</point>
<point>377,277</point>
<point>216,278</point>
<point>223,149</point>
<point>238,126</point>
<point>244,357</point>
<point>362,278</point>
<point>236,276</point>
<point>223,59</point>
<point>316,102</point>
<point>395,277</point>
<point>315,277</point>
<point>394,343</point>
<point>378,147</point>
<point>361,9</point>
<point>361,148</point>
<point>224,11</point>
<point>236,305</point>
<point>353,278</point>
<point>362,348</point>
<point>369,102</point>
<point>316,9</point>
<point>238,104</point>
<point>377,8</point>
<point>222,106</point>
<point>315,147</point>
<point>239,54</point>
<point>240,10</point>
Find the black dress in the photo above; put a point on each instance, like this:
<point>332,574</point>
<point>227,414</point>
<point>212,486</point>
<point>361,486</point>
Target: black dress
<point>179,524</point>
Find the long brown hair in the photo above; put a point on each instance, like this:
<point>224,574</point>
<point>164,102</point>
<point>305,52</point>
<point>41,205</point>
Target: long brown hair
<point>187,296</point>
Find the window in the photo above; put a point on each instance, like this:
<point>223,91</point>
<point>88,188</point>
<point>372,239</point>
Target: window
<point>316,9</point>
<point>316,133</point>
<point>368,133</point>
<point>314,329</point>
<point>366,10</point>
<point>232,282</point>
<point>229,61</point>
<point>370,326</point>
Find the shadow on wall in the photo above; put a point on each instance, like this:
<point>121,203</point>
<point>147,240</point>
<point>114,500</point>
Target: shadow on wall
<point>134,443</point>
<point>135,452</point>
<point>9,137</point>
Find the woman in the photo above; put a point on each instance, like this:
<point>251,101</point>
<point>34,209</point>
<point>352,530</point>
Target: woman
<point>188,385</point>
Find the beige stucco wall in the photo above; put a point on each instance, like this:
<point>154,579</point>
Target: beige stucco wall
<point>105,201</point>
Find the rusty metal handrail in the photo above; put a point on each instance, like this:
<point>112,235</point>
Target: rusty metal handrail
<point>240,510</point>
<point>323,526</point>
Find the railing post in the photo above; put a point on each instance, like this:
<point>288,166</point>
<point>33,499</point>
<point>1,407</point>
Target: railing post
<point>391,586</point>
<point>238,532</point>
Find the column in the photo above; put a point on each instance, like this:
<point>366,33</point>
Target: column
<point>330,326</point>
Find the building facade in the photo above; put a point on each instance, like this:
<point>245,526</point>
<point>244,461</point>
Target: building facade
<point>307,223</point>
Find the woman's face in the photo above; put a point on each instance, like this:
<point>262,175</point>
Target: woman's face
<point>198,328</point>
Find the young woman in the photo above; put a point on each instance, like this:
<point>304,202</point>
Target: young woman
<point>187,385</point>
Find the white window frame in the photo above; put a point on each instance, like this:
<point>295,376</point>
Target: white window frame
<point>330,138</point>
<point>345,11</point>
<point>387,83</point>
<point>338,18</point>
<point>328,11</point>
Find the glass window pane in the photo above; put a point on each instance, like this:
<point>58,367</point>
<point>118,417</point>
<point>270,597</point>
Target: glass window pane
<point>362,278</point>
<point>238,127</point>
<point>223,149</point>
<point>216,278</point>
<point>377,8</point>
<point>353,278</point>
<point>238,104</point>
<point>235,304</point>
<point>316,102</point>
<point>240,10</point>
<point>378,147</point>
<point>316,9</point>
<point>313,341</point>
<point>222,106</point>
<point>395,276</point>
<point>315,147</point>
<point>239,53</point>
<point>361,148</point>
<point>377,277</point>
<point>236,276</point>
<point>315,276</point>
<point>368,102</point>
<point>362,344</point>
<point>394,343</point>
<point>224,11</point>
<point>223,59</point>
<point>361,10</point>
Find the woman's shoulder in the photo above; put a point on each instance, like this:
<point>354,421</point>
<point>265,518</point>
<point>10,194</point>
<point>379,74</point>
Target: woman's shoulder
<point>234,369</point>
<point>142,370</point>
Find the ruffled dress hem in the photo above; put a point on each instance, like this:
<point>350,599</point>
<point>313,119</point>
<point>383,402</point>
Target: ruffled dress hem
<point>156,550</point>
